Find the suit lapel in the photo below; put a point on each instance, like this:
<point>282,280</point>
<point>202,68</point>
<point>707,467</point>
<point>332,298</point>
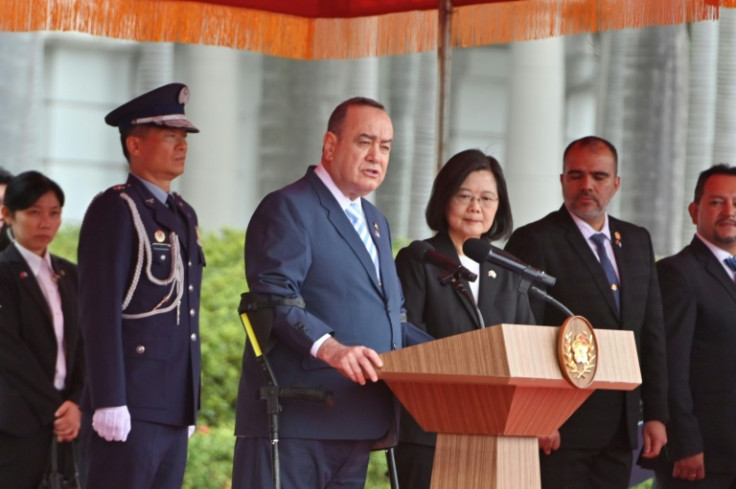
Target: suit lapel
<point>28,281</point>
<point>443,244</point>
<point>581,248</point>
<point>713,267</point>
<point>337,217</point>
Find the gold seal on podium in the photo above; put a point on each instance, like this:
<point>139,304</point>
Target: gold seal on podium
<point>577,351</point>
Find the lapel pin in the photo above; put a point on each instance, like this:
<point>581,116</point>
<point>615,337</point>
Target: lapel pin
<point>375,230</point>
<point>149,201</point>
<point>159,236</point>
<point>492,273</point>
<point>23,275</point>
<point>617,238</point>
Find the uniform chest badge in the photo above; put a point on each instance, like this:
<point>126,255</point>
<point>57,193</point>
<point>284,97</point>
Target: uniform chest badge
<point>159,236</point>
<point>577,351</point>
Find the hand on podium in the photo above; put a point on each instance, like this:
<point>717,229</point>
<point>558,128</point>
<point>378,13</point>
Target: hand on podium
<point>357,363</point>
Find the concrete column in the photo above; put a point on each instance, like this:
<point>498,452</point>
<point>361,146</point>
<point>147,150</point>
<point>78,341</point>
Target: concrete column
<point>535,128</point>
<point>220,178</point>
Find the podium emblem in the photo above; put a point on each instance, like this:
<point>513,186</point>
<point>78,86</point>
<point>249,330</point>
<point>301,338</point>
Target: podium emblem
<point>577,351</point>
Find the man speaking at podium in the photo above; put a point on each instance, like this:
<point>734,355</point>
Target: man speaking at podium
<point>605,272</point>
<point>319,240</point>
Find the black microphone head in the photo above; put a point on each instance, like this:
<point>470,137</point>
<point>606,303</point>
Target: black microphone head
<point>476,249</point>
<point>418,249</point>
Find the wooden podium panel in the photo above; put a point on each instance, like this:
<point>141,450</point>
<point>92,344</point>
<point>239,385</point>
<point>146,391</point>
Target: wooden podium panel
<point>490,393</point>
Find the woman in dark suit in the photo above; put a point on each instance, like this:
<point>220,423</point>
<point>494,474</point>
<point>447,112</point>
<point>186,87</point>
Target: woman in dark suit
<point>40,345</point>
<point>469,200</point>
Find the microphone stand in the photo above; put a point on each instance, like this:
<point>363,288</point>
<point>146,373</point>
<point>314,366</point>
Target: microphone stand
<point>453,277</point>
<point>526,286</point>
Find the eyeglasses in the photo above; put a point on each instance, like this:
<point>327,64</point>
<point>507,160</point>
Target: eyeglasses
<point>486,200</point>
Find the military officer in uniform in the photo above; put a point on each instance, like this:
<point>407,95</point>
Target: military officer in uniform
<point>140,269</point>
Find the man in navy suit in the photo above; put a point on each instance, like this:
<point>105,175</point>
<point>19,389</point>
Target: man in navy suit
<point>593,448</point>
<point>140,270</point>
<point>699,299</point>
<point>301,244</point>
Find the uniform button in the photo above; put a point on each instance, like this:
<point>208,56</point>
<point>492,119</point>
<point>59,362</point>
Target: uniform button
<point>193,337</point>
<point>162,257</point>
<point>140,349</point>
<point>191,288</point>
<point>189,264</point>
<point>192,312</point>
<point>393,345</point>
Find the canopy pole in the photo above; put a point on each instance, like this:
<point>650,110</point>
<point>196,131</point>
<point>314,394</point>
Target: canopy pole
<point>444,64</point>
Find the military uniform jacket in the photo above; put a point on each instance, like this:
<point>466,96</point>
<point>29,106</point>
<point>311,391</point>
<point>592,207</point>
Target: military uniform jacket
<point>151,364</point>
<point>28,348</point>
<point>556,245</point>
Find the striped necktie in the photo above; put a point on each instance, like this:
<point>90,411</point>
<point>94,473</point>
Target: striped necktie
<point>730,263</point>
<point>355,214</point>
<point>599,240</point>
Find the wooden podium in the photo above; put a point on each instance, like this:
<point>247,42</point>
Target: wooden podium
<point>490,393</point>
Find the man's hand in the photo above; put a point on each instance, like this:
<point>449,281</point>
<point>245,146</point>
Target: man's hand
<point>112,423</point>
<point>655,437</point>
<point>690,468</point>
<point>68,419</point>
<point>357,363</point>
<point>549,443</point>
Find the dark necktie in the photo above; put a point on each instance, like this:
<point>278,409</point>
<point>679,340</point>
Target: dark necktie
<point>599,240</point>
<point>730,263</point>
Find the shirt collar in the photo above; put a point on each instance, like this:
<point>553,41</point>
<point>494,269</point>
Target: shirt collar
<point>342,200</point>
<point>587,230</point>
<point>159,193</point>
<point>719,253</point>
<point>33,260</point>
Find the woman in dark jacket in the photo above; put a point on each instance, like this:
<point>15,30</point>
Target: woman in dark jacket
<point>40,343</point>
<point>469,200</point>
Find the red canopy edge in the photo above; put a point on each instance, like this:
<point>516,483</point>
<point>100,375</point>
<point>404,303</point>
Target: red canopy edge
<point>225,23</point>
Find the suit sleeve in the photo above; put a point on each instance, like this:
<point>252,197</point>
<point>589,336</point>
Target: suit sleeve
<point>680,314</point>
<point>277,261</point>
<point>106,243</point>
<point>413,279</point>
<point>652,353</point>
<point>525,245</point>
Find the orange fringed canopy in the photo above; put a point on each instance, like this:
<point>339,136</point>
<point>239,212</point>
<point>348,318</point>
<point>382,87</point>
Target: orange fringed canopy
<point>318,29</point>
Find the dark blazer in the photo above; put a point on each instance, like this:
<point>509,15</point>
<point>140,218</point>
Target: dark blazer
<point>555,245</point>
<point>300,243</point>
<point>699,300</point>
<point>441,311</point>
<point>152,364</point>
<point>28,346</point>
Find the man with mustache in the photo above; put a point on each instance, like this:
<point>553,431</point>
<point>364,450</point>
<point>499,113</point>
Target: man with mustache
<point>699,298</point>
<point>605,272</point>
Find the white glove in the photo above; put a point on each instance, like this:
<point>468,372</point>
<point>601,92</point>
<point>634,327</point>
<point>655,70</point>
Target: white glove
<point>190,430</point>
<point>112,423</point>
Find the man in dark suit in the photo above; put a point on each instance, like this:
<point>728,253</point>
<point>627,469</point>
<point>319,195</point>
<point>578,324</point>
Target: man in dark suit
<point>699,299</point>
<point>614,288</point>
<point>301,243</point>
<point>140,270</point>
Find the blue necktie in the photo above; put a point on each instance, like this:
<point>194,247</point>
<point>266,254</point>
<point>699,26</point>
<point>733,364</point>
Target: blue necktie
<point>730,263</point>
<point>599,240</point>
<point>355,214</point>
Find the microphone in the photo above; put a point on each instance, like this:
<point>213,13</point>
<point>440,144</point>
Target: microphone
<point>480,251</point>
<point>424,252</point>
